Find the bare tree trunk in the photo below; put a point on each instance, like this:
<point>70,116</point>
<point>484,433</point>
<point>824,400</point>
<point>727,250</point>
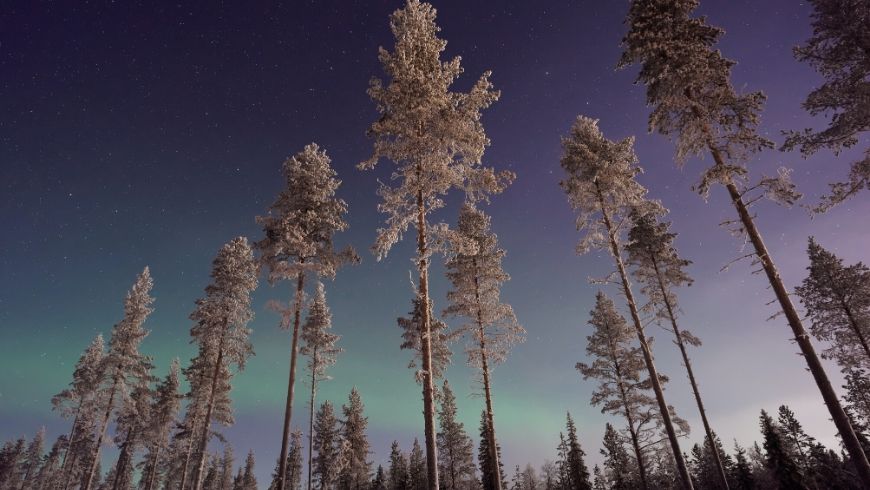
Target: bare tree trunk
<point>720,469</point>
<point>311,421</point>
<point>685,479</point>
<point>105,425</point>
<point>66,471</point>
<point>641,464</point>
<point>203,442</point>
<point>288,408</point>
<point>426,345</point>
<point>190,444</point>
<point>484,368</point>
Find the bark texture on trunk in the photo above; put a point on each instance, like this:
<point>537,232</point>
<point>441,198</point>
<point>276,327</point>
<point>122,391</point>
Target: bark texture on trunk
<point>288,408</point>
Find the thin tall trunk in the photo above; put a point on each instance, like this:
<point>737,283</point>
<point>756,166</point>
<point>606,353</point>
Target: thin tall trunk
<point>426,345</point>
<point>288,408</point>
<point>203,442</point>
<point>841,420</point>
<point>152,475</point>
<point>66,472</point>
<point>484,367</point>
<point>720,469</point>
<point>99,443</point>
<point>311,420</point>
<point>123,461</point>
<point>635,442</point>
<point>685,479</point>
<point>853,324</point>
<point>190,444</point>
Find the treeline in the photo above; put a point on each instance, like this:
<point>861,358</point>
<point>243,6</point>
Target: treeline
<point>166,427</point>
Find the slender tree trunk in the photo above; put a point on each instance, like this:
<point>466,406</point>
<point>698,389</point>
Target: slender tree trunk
<point>203,442</point>
<point>288,408</point>
<point>855,328</point>
<point>311,420</point>
<point>720,469</point>
<point>66,472</point>
<point>641,464</point>
<point>484,368</point>
<point>103,427</point>
<point>685,479</point>
<point>123,461</point>
<point>185,468</point>
<point>841,420</point>
<point>152,475</point>
<point>426,345</point>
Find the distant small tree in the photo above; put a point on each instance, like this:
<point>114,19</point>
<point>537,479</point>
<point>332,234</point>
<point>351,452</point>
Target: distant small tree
<point>840,51</point>
<point>398,474</point>
<point>163,413</point>
<point>417,468</point>
<point>356,472</point>
<point>249,480</point>
<point>293,466</point>
<point>618,471</point>
<point>380,480</point>
<point>488,472</point>
<point>455,448</point>
<point>742,471</point>
<point>778,458</point>
<point>327,442</point>
<point>578,473</point>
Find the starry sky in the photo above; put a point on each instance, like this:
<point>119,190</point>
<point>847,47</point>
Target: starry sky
<point>136,134</point>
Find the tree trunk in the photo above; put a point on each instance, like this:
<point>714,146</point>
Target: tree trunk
<point>311,421</point>
<point>720,469</point>
<point>426,345</point>
<point>855,328</point>
<point>484,368</point>
<point>152,476</point>
<point>288,408</point>
<point>123,461</point>
<point>203,442</point>
<point>685,479</point>
<point>641,465</point>
<point>190,443</point>
<point>66,472</point>
<point>105,425</point>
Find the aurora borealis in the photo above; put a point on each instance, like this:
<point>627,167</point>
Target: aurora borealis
<point>135,135</point>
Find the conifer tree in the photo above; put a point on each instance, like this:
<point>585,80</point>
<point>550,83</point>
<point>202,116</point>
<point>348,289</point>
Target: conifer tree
<point>488,471</point>
<point>412,339</point>
<point>800,443</point>
<point>435,137</point>
<point>293,467</point>
<point>837,300</point>
<point>49,470</point>
<point>622,390</point>
<point>840,51</point>
<point>327,464</point>
<point>221,332</point>
<point>688,85</point>
<point>778,458</point>
<point>77,401</point>
<point>659,269</point>
<point>475,272</point>
<point>31,459</point>
<point>578,473</point>
<point>130,427</point>
<point>742,471</point>
<point>417,468</point>
<point>398,474</point>
<point>211,475</point>
<point>122,366</point>
<point>322,353</point>
<point>380,480</point>
<point>617,465</point>
<point>602,188</point>
<point>249,480</point>
<point>227,461</point>
<point>356,472</point>
<point>299,231</point>
<point>163,413</point>
<point>455,448</point>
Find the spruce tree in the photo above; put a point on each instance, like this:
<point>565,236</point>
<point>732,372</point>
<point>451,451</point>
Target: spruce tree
<point>249,481</point>
<point>455,448</point>
<point>327,442</point>
<point>298,240</point>
<point>578,473</point>
<point>221,332</point>
<point>435,137</point>
<point>602,188</point>
<point>293,466</point>
<point>48,477</point>
<point>622,390</point>
<point>398,474</point>
<point>488,472</point>
<point>475,272</point>
<point>380,480</point>
<point>130,427</point>
<point>413,334</point>
<point>77,402</point>
<point>742,471</point>
<point>31,459</point>
<point>800,443</point>
<point>837,301</point>
<point>689,87</point>
<point>227,461</point>
<point>322,353</point>
<point>356,472</point>
<point>417,468</point>
<point>840,51</point>
<point>659,269</point>
<point>618,469</point>
<point>123,366</point>
<point>163,412</point>
<point>778,458</point>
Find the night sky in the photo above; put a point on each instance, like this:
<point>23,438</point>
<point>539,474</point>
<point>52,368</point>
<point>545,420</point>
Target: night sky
<point>135,134</point>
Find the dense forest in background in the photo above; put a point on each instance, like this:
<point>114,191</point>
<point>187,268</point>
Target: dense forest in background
<point>167,425</point>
